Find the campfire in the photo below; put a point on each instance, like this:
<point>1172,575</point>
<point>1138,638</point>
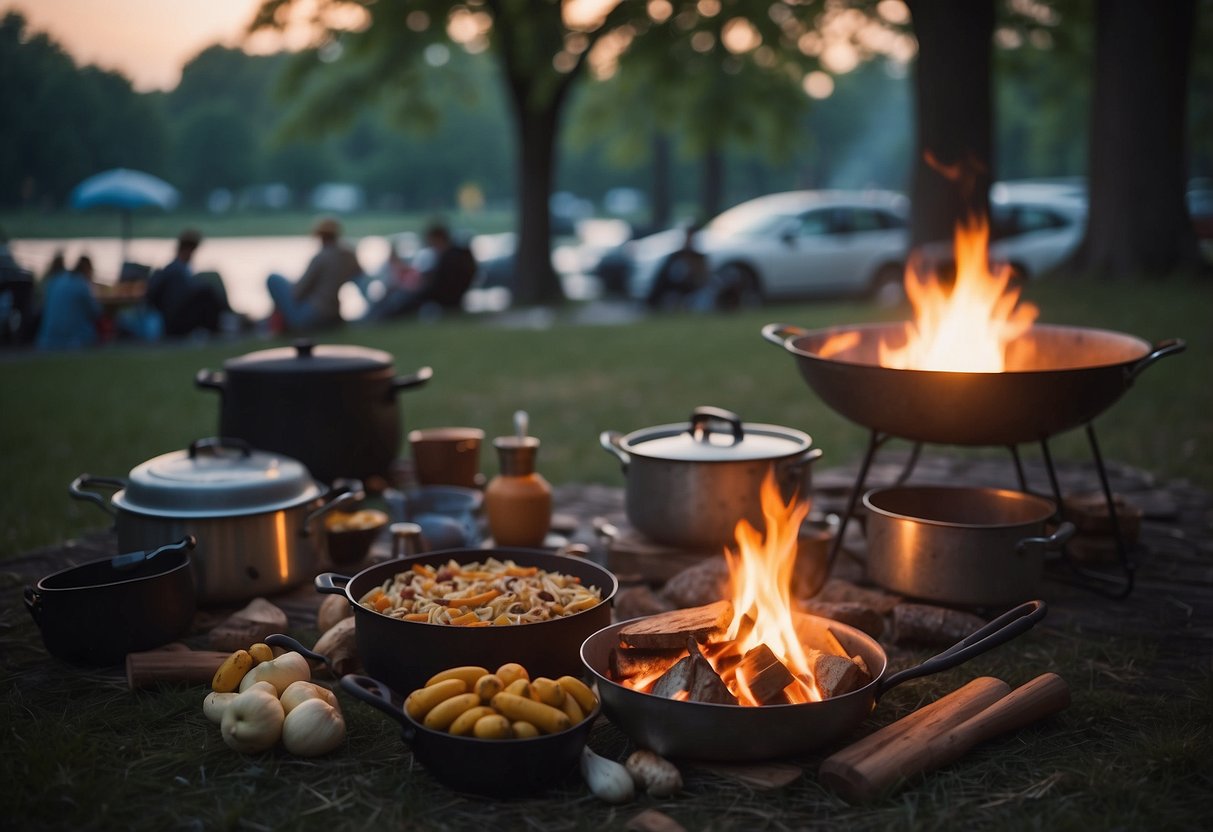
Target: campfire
<point>745,649</point>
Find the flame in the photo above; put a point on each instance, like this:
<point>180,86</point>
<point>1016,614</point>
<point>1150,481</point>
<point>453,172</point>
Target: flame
<point>969,328</point>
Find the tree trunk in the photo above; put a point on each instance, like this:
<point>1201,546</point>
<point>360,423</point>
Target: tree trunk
<point>535,281</point>
<point>662,213</point>
<point>1138,223</point>
<point>712,195</point>
<point>954,155</point>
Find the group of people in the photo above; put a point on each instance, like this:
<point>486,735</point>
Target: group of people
<point>184,302</point>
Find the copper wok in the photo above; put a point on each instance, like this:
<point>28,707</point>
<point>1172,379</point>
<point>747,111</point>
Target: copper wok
<point>732,733</point>
<point>1057,378</point>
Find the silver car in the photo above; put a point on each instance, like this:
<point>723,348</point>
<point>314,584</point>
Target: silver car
<point>798,244</point>
<point>1035,226</point>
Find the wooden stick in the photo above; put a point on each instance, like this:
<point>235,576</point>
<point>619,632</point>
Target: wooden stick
<point>845,772</point>
<point>926,747</point>
<point>155,666</point>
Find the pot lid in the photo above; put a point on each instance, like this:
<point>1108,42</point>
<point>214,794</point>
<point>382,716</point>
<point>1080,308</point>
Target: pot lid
<point>217,477</point>
<point>307,357</point>
<point>716,435</point>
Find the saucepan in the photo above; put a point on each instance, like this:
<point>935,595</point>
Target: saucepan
<point>731,733</point>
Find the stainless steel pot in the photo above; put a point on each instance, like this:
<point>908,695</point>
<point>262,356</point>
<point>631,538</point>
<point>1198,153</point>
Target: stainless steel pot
<point>252,513</point>
<point>332,407</point>
<point>731,733</point>
<point>688,484</point>
<point>958,545</point>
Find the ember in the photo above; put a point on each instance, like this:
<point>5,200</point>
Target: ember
<point>745,651</point>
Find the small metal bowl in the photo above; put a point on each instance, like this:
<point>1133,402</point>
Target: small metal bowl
<point>347,544</point>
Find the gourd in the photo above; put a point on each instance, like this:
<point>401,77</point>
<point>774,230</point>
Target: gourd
<point>252,721</point>
<point>312,728</point>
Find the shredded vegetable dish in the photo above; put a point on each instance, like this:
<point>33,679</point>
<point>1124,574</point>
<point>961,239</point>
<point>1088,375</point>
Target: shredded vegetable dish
<point>492,593</point>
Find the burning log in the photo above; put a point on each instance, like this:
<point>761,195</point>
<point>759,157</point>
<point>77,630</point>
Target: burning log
<point>626,663</point>
<point>670,630</point>
<point>696,677</point>
<point>930,625</point>
<point>765,675</point>
<point>835,675</point>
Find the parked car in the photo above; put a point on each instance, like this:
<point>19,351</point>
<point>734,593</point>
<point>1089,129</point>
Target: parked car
<point>797,244</point>
<point>1035,226</point>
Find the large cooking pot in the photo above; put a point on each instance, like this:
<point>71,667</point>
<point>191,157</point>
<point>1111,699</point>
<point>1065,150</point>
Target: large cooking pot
<point>331,407</point>
<point>97,612</point>
<point>732,733</point>
<point>251,511</point>
<point>404,654</point>
<point>981,547</point>
<point>1057,378</point>
<point>688,484</point>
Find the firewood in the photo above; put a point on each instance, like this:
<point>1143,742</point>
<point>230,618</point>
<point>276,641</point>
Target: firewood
<point>155,666</point>
<point>248,626</point>
<point>835,675</point>
<point>930,625</point>
<point>639,601</point>
<point>332,609</point>
<point>700,584</point>
<point>765,675</point>
<point>340,646</point>
<point>670,630</point>
<point>833,645</point>
<point>858,615</point>
<point>675,680</point>
<point>626,662</point>
<point>838,590</point>
<point>706,684</point>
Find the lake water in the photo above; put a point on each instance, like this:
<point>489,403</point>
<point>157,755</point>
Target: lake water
<point>245,262</point>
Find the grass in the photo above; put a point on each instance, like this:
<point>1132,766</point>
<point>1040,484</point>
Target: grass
<point>103,412</point>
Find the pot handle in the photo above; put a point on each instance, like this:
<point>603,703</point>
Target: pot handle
<point>33,603</point>
<point>1052,543</point>
<point>1007,626</point>
<point>612,442</point>
<point>210,380</point>
<point>351,492</point>
<point>415,380</point>
<point>702,417</point>
<point>330,583</point>
<point>280,640</point>
<point>779,333</point>
<point>1162,349</point>
<point>77,492</point>
<point>213,443</point>
<point>378,695</point>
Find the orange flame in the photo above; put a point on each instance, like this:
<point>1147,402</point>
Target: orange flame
<point>969,328</point>
<point>760,577</point>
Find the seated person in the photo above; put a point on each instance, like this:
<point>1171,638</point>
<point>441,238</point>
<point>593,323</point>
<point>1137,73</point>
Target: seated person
<point>70,313</point>
<point>446,273</point>
<point>312,303</point>
<point>185,300</point>
<point>682,276</point>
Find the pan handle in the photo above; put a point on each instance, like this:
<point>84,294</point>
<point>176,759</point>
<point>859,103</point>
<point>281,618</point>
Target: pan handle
<point>1162,349</point>
<point>378,695</point>
<point>280,640</point>
<point>413,380</point>
<point>999,631</point>
<point>1052,543</point>
<point>612,442</point>
<point>779,333</point>
<point>77,490</point>
<point>330,583</point>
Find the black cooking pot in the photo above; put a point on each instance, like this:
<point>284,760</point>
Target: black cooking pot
<point>497,768</point>
<point>331,407</point>
<point>404,654</point>
<point>99,611</point>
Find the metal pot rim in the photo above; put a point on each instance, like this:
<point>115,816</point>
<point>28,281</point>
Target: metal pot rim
<point>307,357</point>
<point>43,589</point>
<point>798,442</point>
<point>992,496</point>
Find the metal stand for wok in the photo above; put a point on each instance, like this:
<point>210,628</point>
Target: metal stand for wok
<point>1117,588</point>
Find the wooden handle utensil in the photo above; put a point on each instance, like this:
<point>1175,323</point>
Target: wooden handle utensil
<point>917,744</point>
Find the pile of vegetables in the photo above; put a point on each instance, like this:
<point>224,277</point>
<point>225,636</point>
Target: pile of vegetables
<point>258,699</point>
<point>471,701</point>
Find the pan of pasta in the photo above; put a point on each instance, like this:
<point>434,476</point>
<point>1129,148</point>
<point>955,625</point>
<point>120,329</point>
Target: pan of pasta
<point>420,614</point>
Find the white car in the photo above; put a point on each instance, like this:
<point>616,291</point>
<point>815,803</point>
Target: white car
<point>797,244</point>
<point>1035,226</point>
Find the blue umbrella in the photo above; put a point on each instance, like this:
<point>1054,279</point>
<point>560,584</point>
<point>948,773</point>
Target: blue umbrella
<point>126,190</point>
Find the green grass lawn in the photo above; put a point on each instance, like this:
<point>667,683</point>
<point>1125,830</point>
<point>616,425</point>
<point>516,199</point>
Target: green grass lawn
<point>105,411</point>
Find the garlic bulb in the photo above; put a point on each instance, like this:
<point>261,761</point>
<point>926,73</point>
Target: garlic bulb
<point>252,721</point>
<point>312,728</point>
<point>607,779</point>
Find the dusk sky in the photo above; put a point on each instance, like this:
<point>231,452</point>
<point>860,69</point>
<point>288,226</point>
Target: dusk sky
<point>146,40</point>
